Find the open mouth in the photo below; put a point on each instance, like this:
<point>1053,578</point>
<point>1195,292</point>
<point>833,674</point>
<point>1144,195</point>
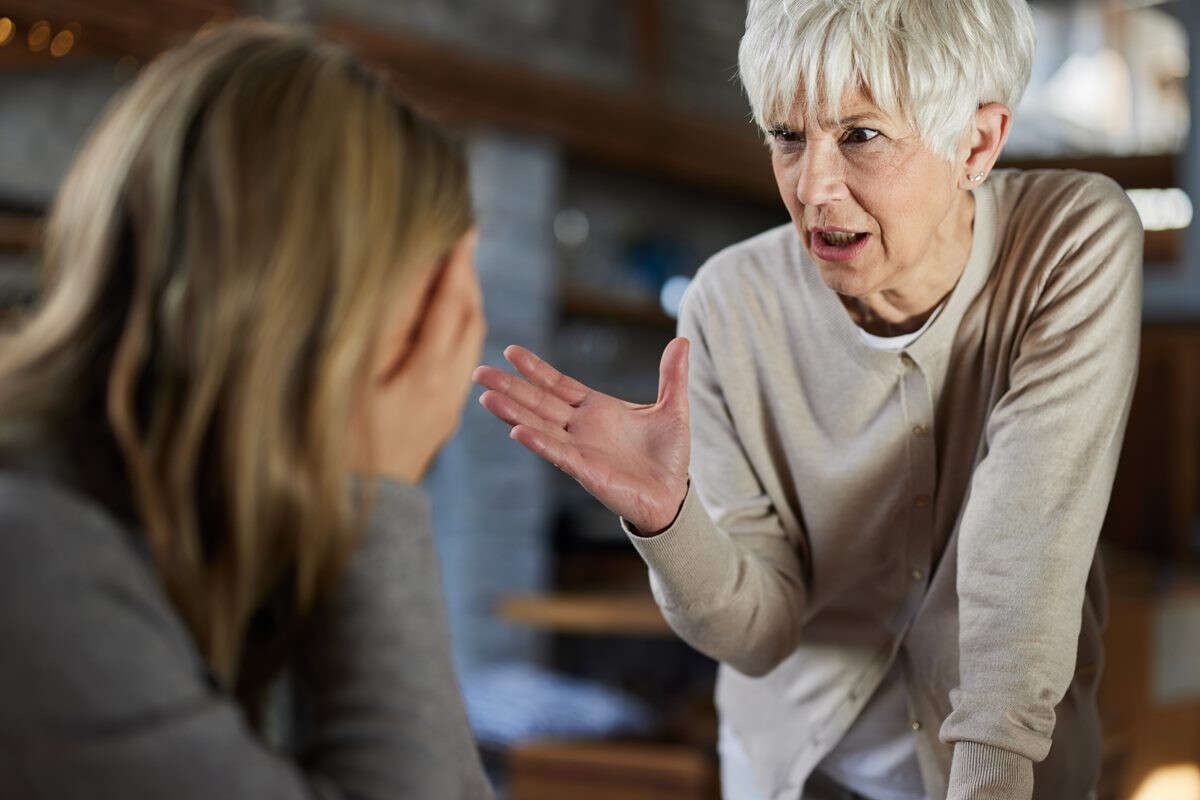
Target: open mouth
<point>839,238</point>
<point>834,244</point>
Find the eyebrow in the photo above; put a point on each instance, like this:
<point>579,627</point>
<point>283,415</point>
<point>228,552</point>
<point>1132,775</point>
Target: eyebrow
<point>852,120</point>
<point>845,122</point>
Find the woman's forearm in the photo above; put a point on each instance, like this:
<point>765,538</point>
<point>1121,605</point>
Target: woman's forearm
<point>736,604</point>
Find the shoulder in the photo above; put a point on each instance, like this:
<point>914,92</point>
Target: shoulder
<point>1070,205</point>
<point>746,274</point>
<point>749,259</point>
<point>82,606</point>
<point>1063,231</point>
<point>47,529</point>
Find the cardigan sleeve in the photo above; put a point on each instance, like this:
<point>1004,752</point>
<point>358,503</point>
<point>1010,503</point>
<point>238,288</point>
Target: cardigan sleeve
<point>1037,499</point>
<point>729,580</point>
<point>105,695</point>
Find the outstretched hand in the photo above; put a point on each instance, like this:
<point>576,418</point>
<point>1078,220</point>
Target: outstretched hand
<point>632,458</point>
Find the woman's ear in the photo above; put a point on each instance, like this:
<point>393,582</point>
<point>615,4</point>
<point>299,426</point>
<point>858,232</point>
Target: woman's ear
<point>983,143</point>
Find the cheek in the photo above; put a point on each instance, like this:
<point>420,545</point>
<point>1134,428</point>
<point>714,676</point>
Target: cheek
<point>891,215</point>
<point>785,182</point>
<point>906,208</point>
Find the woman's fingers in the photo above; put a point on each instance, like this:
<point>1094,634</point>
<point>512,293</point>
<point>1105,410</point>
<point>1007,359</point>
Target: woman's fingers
<point>557,452</point>
<point>543,375</point>
<point>673,373</point>
<point>508,410</point>
<point>539,401</point>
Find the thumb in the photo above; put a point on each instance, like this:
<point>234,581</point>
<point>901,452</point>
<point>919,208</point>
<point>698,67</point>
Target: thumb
<point>673,374</point>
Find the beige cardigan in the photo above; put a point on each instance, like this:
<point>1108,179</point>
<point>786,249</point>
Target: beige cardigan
<point>940,505</point>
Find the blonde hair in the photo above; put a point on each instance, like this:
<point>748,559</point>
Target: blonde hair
<point>218,264</point>
<point>933,62</point>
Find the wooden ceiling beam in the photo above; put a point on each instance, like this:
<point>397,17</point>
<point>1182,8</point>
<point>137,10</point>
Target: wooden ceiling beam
<point>631,129</point>
<point>140,30</point>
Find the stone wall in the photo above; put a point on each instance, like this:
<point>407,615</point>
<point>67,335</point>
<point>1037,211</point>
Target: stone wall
<point>491,496</point>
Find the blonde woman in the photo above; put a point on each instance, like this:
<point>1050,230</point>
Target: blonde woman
<point>905,411</point>
<point>259,319</point>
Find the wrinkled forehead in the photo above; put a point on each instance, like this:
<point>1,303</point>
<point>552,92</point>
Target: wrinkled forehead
<point>854,104</point>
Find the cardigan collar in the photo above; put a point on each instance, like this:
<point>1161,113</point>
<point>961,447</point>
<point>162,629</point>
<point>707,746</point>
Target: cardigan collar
<point>936,340</point>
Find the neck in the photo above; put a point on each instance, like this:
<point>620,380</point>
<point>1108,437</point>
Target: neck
<point>904,308</point>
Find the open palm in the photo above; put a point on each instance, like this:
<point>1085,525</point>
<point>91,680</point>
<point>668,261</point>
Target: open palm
<point>632,458</point>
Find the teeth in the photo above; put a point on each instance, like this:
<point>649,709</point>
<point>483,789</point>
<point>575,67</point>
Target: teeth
<point>839,238</point>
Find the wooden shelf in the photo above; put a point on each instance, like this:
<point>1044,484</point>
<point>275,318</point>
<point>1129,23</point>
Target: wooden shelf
<point>1132,172</point>
<point>611,770</point>
<point>20,233</point>
<point>577,302</point>
<point>596,613</point>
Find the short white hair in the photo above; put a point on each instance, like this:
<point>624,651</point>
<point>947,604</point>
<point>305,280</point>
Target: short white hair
<point>933,62</point>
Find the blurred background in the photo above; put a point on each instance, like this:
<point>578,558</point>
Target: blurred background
<point>611,154</point>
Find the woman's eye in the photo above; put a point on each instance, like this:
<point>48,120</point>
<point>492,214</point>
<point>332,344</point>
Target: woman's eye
<point>859,135</point>
<point>785,136</point>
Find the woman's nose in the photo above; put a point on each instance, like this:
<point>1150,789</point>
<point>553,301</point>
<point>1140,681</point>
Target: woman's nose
<point>820,177</point>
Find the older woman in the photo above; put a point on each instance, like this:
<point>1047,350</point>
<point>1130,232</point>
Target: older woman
<point>905,415</point>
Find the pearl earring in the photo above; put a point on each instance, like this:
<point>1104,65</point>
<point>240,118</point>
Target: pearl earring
<point>976,178</point>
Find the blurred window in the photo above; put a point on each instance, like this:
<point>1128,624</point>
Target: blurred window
<point>1110,77</point>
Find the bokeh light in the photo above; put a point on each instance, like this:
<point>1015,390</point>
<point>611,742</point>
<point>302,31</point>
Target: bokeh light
<point>571,227</point>
<point>62,43</point>
<point>1175,782</point>
<point>39,36</point>
<point>671,296</point>
<point>1162,209</point>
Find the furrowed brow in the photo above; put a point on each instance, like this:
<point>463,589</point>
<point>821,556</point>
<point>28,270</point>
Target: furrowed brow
<point>851,121</point>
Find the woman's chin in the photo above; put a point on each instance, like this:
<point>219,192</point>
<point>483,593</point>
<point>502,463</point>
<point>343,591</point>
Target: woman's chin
<point>846,279</point>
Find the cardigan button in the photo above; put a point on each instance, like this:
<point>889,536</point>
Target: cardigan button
<point>916,725</point>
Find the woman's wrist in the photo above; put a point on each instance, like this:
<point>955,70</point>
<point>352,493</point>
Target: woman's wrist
<point>653,526</point>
